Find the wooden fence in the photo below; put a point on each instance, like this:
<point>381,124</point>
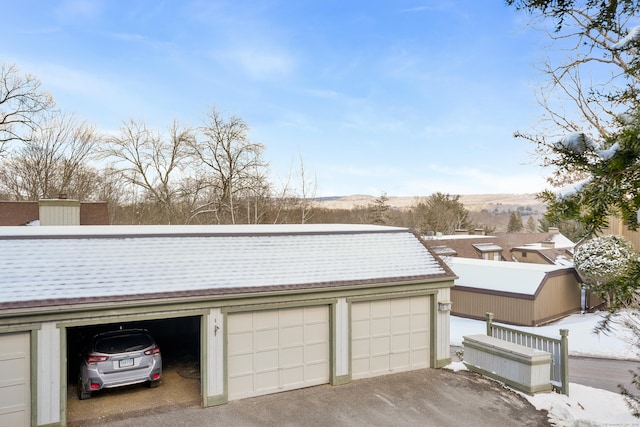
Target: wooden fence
<point>559,349</point>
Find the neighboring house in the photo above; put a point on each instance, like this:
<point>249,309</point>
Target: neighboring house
<point>537,248</point>
<point>53,212</point>
<point>269,308</point>
<point>516,293</point>
<point>556,249</point>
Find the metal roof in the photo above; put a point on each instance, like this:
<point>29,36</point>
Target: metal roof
<point>54,265</point>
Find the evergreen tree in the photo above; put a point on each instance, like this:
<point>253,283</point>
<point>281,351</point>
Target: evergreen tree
<point>515,223</point>
<point>379,210</point>
<point>441,213</point>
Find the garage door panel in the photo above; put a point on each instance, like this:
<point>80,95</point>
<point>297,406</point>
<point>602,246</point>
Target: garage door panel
<point>361,364</point>
<point>380,364</point>
<point>420,358</point>
<point>380,326</point>
<point>380,309</point>
<point>242,322</point>
<point>420,340</point>
<point>292,336</point>
<point>293,356</point>
<point>401,342</point>
<point>360,348</point>
<point>241,342</point>
<point>360,329</point>
<point>399,324</point>
<point>266,360</point>
<point>292,377</point>
<point>400,306</point>
<point>265,381</point>
<point>360,312</point>
<point>290,349</point>
<point>400,360</point>
<point>397,338</point>
<point>291,316</point>
<point>314,353</point>
<point>240,364</point>
<point>15,391</point>
<point>316,316</point>
<point>420,321</point>
<point>265,340</point>
<point>317,332</point>
<point>380,345</point>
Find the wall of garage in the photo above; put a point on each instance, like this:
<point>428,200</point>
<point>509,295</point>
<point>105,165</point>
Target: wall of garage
<point>245,342</point>
<point>258,344</point>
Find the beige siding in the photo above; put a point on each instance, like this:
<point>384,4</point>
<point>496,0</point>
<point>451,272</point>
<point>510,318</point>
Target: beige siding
<point>530,257</point>
<point>506,309</point>
<point>59,212</point>
<point>560,295</point>
<point>617,227</point>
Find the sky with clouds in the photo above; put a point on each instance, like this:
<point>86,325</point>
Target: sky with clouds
<point>407,97</point>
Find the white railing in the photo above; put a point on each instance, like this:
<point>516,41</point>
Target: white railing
<point>559,349</point>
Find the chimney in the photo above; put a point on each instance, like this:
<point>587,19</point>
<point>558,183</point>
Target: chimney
<point>60,211</point>
<point>554,230</point>
<point>461,232</point>
<point>548,244</point>
<point>479,231</point>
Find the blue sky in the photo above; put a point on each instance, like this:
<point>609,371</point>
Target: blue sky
<point>402,97</point>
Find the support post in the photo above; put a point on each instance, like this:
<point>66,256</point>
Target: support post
<point>564,357</point>
<point>489,321</point>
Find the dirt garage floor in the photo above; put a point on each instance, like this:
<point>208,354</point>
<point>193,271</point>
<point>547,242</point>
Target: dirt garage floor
<point>180,387</point>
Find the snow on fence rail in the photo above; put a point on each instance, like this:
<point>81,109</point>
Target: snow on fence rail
<point>559,349</point>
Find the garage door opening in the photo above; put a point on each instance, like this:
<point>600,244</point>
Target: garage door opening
<point>179,342</point>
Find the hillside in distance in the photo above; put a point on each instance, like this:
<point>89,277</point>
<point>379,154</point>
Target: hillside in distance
<point>473,202</point>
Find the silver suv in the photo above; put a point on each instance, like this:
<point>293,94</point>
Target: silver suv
<point>119,358</point>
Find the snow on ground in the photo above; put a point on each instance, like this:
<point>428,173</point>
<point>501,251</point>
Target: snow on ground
<point>586,406</point>
<point>583,341</point>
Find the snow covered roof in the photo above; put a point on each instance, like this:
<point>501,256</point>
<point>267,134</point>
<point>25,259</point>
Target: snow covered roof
<point>559,240</point>
<point>43,266</point>
<point>487,247</point>
<point>513,277</point>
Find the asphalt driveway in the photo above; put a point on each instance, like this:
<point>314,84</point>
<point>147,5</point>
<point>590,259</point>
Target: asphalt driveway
<point>428,397</point>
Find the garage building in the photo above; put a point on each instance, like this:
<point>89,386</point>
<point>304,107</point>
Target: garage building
<point>272,308</point>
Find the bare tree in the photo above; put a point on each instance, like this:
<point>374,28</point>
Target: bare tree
<point>151,161</point>
<point>22,101</point>
<point>233,162</point>
<point>294,204</point>
<point>592,74</point>
<point>308,189</point>
<point>52,161</point>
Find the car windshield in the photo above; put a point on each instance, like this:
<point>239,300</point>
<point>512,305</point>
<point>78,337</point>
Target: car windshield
<point>123,343</point>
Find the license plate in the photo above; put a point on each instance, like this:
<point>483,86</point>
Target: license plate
<point>125,363</point>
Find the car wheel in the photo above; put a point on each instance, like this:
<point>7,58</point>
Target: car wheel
<point>153,384</point>
<point>82,392</point>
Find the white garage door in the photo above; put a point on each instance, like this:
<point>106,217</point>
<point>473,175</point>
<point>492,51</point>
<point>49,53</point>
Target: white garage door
<point>277,350</point>
<point>15,394</point>
<point>390,336</point>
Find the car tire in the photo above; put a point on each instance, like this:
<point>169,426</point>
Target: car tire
<point>82,393</point>
<point>153,384</point>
